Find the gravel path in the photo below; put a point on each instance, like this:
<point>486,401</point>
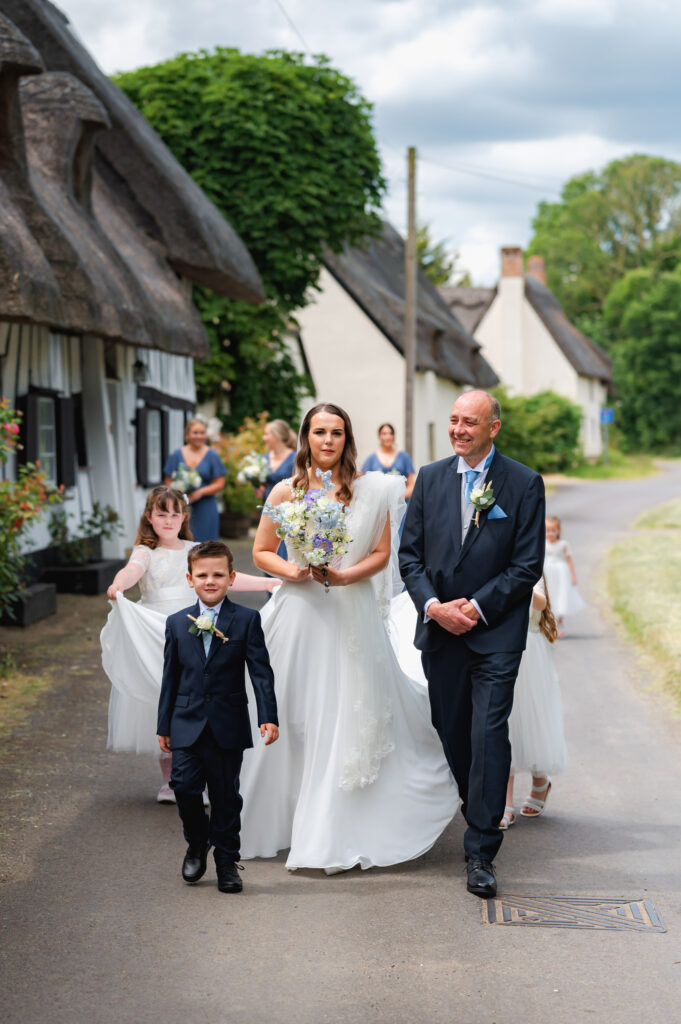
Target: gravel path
<point>96,926</point>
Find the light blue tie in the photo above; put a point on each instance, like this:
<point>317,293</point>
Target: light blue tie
<point>207,637</point>
<point>470,475</point>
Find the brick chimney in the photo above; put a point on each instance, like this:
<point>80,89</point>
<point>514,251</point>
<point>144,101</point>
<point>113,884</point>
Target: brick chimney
<point>511,261</point>
<point>537,268</point>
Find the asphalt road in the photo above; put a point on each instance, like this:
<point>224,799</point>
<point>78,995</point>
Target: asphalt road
<point>96,925</point>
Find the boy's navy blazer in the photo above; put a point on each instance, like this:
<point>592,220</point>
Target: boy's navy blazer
<point>498,563</point>
<point>199,688</point>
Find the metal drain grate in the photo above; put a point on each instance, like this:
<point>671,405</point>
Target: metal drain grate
<point>573,912</point>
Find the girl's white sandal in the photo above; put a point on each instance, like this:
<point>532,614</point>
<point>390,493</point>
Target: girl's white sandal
<point>508,818</point>
<point>532,807</point>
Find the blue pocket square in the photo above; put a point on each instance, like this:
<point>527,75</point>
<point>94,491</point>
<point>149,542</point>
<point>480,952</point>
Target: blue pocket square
<point>496,512</point>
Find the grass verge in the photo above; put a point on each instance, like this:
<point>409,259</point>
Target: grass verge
<point>46,655</point>
<point>619,467</point>
<point>644,582</point>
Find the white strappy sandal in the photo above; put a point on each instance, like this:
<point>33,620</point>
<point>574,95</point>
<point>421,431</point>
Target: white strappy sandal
<point>508,818</point>
<point>532,807</point>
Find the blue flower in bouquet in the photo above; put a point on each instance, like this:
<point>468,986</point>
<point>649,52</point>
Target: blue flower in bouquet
<point>313,524</point>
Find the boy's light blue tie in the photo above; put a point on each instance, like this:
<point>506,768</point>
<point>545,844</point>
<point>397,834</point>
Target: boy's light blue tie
<point>207,637</point>
<point>470,475</point>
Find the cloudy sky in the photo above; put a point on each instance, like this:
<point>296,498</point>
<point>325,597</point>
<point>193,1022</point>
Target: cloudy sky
<point>504,99</point>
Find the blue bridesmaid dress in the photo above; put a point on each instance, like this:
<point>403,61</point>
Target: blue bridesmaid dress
<point>204,521</point>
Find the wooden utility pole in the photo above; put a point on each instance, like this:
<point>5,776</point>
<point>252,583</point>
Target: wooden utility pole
<point>410,298</point>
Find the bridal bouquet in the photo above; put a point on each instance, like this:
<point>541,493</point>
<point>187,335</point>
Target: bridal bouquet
<point>313,524</point>
<point>254,470</point>
<point>185,479</point>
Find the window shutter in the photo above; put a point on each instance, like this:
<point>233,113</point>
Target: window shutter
<point>141,447</point>
<point>28,437</point>
<point>165,438</point>
<point>79,429</point>
<point>66,442</point>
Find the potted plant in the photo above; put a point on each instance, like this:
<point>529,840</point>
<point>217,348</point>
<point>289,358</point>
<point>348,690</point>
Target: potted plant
<point>238,497</point>
<point>22,501</point>
<point>78,566</point>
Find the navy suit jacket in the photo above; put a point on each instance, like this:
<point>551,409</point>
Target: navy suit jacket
<point>498,563</point>
<point>199,688</point>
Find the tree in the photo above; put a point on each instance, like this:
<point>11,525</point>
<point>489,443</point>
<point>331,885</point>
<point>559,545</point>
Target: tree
<point>542,430</point>
<point>438,262</point>
<point>643,312</point>
<point>608,223</point>
<point>284,148</point>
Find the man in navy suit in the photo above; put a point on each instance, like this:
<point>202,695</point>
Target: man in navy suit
<point>203,710</point>
<point>469,558</point>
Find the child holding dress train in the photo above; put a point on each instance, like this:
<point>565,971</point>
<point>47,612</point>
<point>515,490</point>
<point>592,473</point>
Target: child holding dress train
<point>561,578</point>
<point>134,635</point>
<point>535,725</point>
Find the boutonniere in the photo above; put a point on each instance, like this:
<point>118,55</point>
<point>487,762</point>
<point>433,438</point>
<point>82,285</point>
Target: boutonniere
<point>482,499</point>
<point>204,624</point>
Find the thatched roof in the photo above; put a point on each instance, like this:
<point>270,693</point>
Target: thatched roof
<point>587,358</point>
<point>374,276</point>
<point>199,242</point>
<point>469,305</point>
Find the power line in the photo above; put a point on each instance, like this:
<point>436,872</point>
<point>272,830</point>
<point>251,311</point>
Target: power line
<point>551,185</point>
<point>293,25</point>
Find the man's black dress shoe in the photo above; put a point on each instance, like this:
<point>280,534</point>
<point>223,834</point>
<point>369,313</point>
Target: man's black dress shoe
<point>481,880</point>
<point>228,878</point>
<point>194,863</point>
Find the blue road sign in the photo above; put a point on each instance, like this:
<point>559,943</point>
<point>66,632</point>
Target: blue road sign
<point>607,414</point>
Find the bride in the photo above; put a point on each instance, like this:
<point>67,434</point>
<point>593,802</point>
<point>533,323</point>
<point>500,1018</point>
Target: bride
<point>358,775</point>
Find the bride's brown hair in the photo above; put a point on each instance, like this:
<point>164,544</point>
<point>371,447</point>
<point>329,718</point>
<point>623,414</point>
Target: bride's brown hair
<point>348,460</point>
<point>547,620</point>
<point>165,499</point>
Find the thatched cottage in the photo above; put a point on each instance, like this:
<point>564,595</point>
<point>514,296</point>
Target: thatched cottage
<point>533,347</point>
<point>102,234</point>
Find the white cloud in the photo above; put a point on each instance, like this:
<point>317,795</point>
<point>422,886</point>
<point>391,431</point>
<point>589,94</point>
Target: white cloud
<point>527,91</point>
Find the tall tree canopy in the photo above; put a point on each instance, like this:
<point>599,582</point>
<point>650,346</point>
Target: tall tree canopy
<point>284,148</point>
<point>643,312</point>
<point>608,223</point>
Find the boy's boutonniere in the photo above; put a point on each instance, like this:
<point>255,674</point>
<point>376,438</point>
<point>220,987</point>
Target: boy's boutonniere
<point>204,624</point>
<point>482,499</point>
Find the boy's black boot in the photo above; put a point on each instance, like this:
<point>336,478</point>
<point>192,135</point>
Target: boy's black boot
<point>228,877</point>
<point>194,863</point>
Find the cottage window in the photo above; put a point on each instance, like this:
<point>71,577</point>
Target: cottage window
<point>154,445</point>
<point>47,438</point>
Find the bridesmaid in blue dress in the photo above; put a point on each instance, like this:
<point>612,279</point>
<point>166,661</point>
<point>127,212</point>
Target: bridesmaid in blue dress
<point>196,454</point>
<point>280,447</point>
<point>281,443</point>
<point>389,459</point>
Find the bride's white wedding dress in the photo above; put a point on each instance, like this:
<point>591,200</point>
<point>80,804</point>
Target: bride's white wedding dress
<point>358,775</point>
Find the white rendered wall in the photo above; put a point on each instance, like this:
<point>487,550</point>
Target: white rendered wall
<point>355,366</point>
<point>352,364</point>
<point>527,359</point>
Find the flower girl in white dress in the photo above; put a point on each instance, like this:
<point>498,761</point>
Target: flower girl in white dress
<point>358,775</point>
<point>535,726</point>
<point>561,577</point>
<point>134,634</point>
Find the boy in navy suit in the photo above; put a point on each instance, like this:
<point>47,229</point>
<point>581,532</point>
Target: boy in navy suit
<point>203,710</point>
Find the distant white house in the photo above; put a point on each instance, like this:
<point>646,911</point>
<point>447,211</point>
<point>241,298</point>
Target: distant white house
<point>531,344</point>
<point>352,340</point>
